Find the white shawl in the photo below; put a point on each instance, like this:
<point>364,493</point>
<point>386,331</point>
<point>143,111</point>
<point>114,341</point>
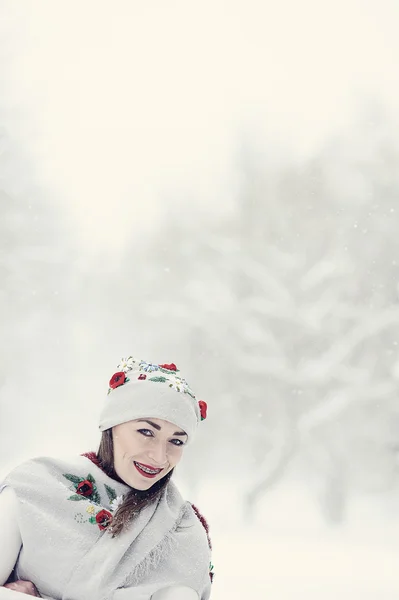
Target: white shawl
<point>67,555</point>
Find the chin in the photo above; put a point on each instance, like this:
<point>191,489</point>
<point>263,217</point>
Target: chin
<point>139,484</point>
<point>146,485</point>
<point>143,486</point>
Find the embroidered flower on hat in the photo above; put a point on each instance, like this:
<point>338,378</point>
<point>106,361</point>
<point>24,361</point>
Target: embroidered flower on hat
<point>171,367</point>
<point>127,364</point>
<point>148,367</point>
<point>164,373</point>
<point>116,380</point>
<point>203,408</point>
<point>180,385</point>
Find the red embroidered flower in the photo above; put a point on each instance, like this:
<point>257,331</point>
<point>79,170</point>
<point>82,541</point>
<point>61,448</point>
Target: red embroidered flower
<point>117,379</point>
<point>171,367</point>
<point>103,519</point>
<point>85,488</point>
<point>203,408</point>
<point>142,376</point>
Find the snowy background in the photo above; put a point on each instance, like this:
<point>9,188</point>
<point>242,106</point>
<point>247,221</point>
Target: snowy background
<point>215,184</point>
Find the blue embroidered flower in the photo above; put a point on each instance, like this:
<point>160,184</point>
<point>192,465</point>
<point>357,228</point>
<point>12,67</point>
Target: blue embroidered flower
<point>148,367</point>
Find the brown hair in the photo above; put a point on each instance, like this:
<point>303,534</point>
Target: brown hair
<point>134,500</point>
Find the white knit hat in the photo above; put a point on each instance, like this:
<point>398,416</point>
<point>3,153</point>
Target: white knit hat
<point>140,389</point>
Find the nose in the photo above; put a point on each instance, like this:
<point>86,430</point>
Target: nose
<point>158,454</point>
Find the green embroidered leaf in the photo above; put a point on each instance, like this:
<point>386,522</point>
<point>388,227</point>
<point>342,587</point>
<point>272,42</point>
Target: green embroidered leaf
<point>110,492</point>
<point>95,497</point>
<point>73,478</point>
<point>167,371</point>
<point>158,379</point>
<point>76,497</point>
<point>92,520</point>
<point>91,478</point>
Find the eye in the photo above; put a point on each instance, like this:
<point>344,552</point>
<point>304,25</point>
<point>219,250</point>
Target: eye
<point>177,442</point>
<point>146,432</point>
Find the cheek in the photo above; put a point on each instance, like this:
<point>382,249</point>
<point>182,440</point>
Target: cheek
<point>176,454</point>
<point>117,448</point>
<point>129,445</point>
<point>121,447</point>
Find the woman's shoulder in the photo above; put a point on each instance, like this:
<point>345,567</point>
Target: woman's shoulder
<point>49,464</point>
<point>61,468</point>
<point>73,477</point>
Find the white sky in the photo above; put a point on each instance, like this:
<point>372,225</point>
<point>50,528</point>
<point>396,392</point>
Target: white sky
<point>127,106</point>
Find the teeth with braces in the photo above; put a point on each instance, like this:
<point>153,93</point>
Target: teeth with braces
<point>147,470</point>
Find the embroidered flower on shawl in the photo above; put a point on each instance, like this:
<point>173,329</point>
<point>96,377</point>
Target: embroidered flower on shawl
<point>116,503</point>
<point>103,519</point>
<point>84,487</point>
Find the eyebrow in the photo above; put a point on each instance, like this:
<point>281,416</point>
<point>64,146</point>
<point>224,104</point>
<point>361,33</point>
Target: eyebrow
<point>159,427</point>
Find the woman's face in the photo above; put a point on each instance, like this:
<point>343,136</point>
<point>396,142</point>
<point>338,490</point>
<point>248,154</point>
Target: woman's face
<point>145,450</point>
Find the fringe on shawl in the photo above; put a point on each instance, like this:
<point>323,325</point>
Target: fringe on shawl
<point>153,558</point>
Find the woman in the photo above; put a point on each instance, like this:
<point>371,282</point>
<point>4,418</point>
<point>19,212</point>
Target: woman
<point>112,526</point>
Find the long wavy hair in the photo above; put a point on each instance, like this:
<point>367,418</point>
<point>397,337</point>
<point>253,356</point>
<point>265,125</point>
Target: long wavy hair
<point>134,500</point>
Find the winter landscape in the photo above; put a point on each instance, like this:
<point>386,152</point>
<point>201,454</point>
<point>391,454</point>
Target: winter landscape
<point>216,185</point>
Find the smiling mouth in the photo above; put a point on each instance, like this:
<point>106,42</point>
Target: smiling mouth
<point>146,471</point>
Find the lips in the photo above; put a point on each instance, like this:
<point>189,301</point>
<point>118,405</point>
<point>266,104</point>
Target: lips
<point>145,473</point>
